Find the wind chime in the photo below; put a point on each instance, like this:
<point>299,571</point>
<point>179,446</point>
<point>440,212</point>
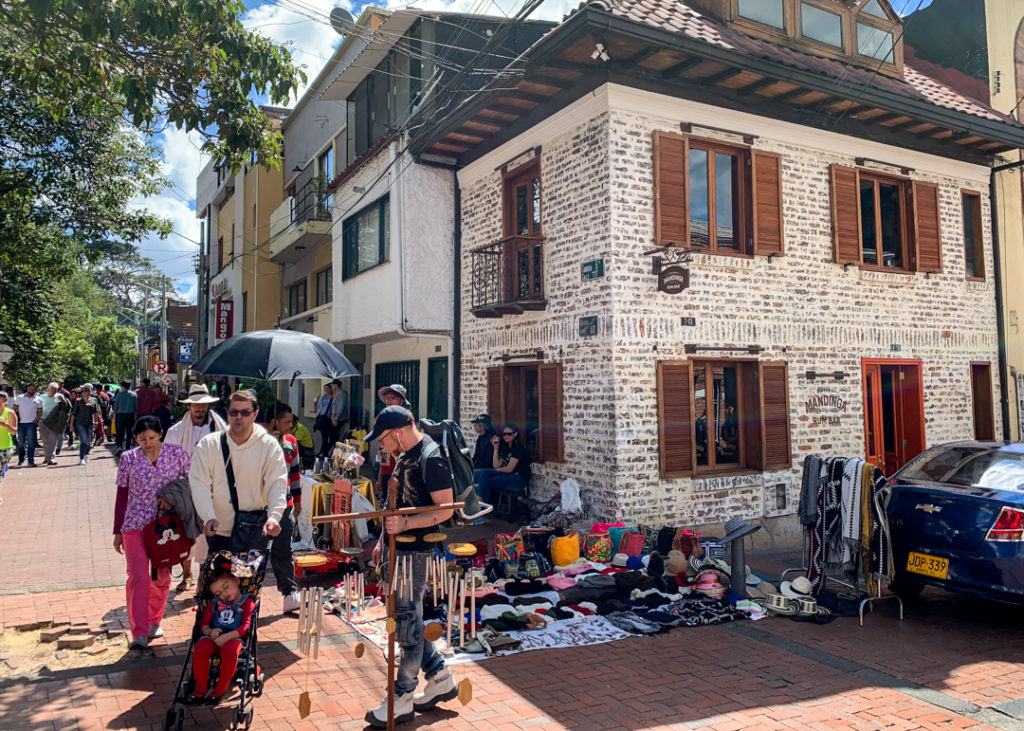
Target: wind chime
<point>400,580</point>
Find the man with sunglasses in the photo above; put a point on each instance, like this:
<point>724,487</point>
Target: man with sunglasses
<point>414,486</point>
<point>258,467</point>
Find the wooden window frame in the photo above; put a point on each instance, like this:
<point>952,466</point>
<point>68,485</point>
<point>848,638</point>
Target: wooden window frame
<point>503,407</point>
<point>909,255</point>
<point>509,181</point>
<point>793,37</point>
<point>753,430</point>
<point>743,200</point>
<point>979,243</point>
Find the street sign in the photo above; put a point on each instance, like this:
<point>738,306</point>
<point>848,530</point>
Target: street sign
<point>588,326</point>
<point>186,350</point>
<point>168,380</point>
<point>593,269</point>
<point>160,368</point>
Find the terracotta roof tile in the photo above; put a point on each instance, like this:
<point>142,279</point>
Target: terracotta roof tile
<point>676,16</point>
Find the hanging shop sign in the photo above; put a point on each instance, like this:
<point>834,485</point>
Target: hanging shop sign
<point>225,319</point>
<point>667,264</point>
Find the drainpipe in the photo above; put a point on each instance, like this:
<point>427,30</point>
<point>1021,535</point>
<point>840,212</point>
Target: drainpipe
<point>397,185</point>
<point>1004,396</point>
<point>455,381</point>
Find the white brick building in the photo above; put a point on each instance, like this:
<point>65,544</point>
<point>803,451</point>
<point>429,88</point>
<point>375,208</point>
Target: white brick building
<point>836,302</point>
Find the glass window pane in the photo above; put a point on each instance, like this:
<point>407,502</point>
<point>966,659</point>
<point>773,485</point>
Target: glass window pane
<point>768,12</point>
<point>385,246</point>
<point>522,216</point>
<point>871,7</point>
<point>523,273</point>
<point>699,197</point>
<point>700,409</point>
<point>367,239</point>
<point>970,234</point>
<point>536,205</point>
<point>726,415</point>
<point>874,42</point>
<point>869,246</point>
<point>821,25</point>
<point>536,270</point>
<point>726,200</point>
<point>892,225</point>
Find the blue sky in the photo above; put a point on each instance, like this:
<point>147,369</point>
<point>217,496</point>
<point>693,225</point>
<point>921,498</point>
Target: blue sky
<point>301,26</point>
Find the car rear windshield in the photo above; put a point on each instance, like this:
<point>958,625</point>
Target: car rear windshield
<point>969,465</point>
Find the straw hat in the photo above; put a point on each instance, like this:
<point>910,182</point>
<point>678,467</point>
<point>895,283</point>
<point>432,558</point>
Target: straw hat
<point>676,563</point>
<point>798,588</point>
<point>782,605</point>
<point>199,394</point>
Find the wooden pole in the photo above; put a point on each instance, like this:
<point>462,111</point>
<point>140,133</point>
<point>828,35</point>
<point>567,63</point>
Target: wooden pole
<point>340,517</point>
<point>392,562</point>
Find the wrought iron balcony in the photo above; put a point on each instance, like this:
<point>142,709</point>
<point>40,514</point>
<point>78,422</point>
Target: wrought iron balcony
<point>310,203</point>
<point>508,277</point>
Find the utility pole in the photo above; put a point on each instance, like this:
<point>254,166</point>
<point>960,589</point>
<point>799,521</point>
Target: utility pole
<point>164,355</point>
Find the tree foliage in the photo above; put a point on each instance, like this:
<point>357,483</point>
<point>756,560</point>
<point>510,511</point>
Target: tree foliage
<point>190,63</point>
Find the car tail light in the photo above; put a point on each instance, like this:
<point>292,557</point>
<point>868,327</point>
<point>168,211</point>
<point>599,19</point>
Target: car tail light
<point>1009,526</point>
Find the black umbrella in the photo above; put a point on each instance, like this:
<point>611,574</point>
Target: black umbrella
<point>275,355</point>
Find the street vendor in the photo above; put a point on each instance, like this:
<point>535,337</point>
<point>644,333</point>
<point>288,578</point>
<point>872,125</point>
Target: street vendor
<point>414,486</point>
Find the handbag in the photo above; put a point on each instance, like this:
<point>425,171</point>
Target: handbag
<point>616,532</point>
<point>631,543</point>
<point>509,546</point>
<point>165,541</point>
<point>564,549</point>
<point>597,547</point>
<point>665,537</point>
<point>247,529</point>
<point>688,542</point>
<point>650,539</point>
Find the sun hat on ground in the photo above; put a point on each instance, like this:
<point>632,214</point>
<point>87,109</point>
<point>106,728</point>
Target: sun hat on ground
<point>797,588</point>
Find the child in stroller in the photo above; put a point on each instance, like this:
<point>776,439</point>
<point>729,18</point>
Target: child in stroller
<point>223,625</point>
<point>223,648</point>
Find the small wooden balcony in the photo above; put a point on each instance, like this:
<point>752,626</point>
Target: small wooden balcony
<point>508,277</point>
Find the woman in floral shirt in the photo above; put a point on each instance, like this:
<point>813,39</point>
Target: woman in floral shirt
<point>141,473</point>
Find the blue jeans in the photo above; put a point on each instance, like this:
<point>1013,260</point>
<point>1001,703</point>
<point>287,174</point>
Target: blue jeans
<point>27,442</point>
<point>488,479</point>
<point>84,432</point>
<point>417,653</point>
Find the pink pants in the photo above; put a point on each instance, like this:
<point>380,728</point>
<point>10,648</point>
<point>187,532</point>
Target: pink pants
<point>145,598</point>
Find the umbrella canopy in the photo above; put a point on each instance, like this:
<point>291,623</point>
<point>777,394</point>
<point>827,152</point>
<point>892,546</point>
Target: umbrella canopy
<point>275,355</point>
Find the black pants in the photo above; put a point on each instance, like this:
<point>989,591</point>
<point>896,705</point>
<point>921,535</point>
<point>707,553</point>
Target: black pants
<point>123,424</point>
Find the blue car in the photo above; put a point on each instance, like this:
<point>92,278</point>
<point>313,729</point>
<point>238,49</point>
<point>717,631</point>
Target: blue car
<point>957,520</point>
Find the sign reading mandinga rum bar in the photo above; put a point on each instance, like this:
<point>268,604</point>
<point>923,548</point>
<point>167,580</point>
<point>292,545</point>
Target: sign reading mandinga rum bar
<point>825,409</point>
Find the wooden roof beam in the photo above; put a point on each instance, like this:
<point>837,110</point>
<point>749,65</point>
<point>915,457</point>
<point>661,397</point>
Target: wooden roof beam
<point>756,86</point>
<point>721,76</point>
<point>672,71</point>
<point>638,58</point>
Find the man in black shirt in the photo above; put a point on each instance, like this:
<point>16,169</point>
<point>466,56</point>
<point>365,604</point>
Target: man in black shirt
<point>397,432</point>
<point>484,434</point>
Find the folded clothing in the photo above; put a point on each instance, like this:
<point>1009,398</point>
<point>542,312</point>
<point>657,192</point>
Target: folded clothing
<point>630,580</point>
<point>558,583</point>
<point>594,581</point>
<point>495,610</point>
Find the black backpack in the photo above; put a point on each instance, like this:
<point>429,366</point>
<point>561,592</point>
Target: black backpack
<point>450,441</point>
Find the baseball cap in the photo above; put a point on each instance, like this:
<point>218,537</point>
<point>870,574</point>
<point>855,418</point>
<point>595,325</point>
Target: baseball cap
<point>391,417</point>
<point>481,419</point>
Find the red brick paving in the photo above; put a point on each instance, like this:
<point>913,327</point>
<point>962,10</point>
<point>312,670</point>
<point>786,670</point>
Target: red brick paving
<point>709,677</point>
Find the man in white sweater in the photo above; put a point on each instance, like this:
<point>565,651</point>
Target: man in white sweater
<point>261,476</point>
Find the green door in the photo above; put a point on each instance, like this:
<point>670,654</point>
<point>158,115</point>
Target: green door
<point>437,389</point>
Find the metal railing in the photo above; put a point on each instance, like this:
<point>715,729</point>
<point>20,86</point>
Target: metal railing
<point>310,203</point>
<point>508,275</point>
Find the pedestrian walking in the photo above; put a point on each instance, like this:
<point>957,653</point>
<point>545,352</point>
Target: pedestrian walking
<point>8,431</point>
<point>322,424</point>
<point>141,473</point>
<point>239,480</point>
<point>29,407</point>
<point>147,398</point>
<point>85,415</point>
<point>198,421</point>
<point>415,486</point>
<point>126,406</point>
<point>56,410</point>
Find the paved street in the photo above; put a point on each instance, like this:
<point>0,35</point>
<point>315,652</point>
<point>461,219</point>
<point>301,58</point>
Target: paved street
<point>953,663</point>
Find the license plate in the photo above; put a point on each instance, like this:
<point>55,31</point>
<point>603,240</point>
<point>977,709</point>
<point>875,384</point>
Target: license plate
<point>922,563</point>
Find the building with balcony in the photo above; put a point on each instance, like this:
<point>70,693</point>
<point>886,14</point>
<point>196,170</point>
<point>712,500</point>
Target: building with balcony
<point>239,282</point>
<point>707,238</point>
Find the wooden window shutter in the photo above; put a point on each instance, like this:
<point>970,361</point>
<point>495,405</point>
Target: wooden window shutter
<point>675,418</point>
<point>671,206</point>
<point>775,442</point>
<point>496,395</point>
<point>550,410</point>
<point>766,173</point>
<point>845,214</point>
<point>927,234</point>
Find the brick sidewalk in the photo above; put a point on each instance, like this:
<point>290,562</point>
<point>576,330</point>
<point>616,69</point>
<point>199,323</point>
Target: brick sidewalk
<point>55,525</point>
<point>953,663</point>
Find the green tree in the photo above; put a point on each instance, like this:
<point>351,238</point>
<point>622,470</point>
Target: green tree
<point>190,63</point>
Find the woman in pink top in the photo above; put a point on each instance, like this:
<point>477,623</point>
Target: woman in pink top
<point>141,473</point>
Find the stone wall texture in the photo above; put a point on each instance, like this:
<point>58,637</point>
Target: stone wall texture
<point>802,308</point>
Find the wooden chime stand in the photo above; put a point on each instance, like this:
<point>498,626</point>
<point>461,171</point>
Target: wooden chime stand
<point>391,625</point>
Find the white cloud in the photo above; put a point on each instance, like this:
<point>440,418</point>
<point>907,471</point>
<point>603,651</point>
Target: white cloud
<point>308,36</point>
<point>549,10</point>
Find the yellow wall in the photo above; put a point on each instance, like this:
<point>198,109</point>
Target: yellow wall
<point>1005,21</point>
<point>261,278</point>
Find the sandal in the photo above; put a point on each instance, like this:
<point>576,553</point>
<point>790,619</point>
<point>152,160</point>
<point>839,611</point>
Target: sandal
<point>184,585</point>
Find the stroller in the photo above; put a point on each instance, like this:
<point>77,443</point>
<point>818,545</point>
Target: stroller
<point>250,569</point>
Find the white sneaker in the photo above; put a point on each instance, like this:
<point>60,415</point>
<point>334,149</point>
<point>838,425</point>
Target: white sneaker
<point>291,602</point>
<point>81,461</point>
<point>441,687</point>
<point>155,631</point>
<point>378,717</point>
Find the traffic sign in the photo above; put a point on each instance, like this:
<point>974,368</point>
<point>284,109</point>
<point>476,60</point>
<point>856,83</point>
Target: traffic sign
<point>160,368</point>
<point>168,380</point>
